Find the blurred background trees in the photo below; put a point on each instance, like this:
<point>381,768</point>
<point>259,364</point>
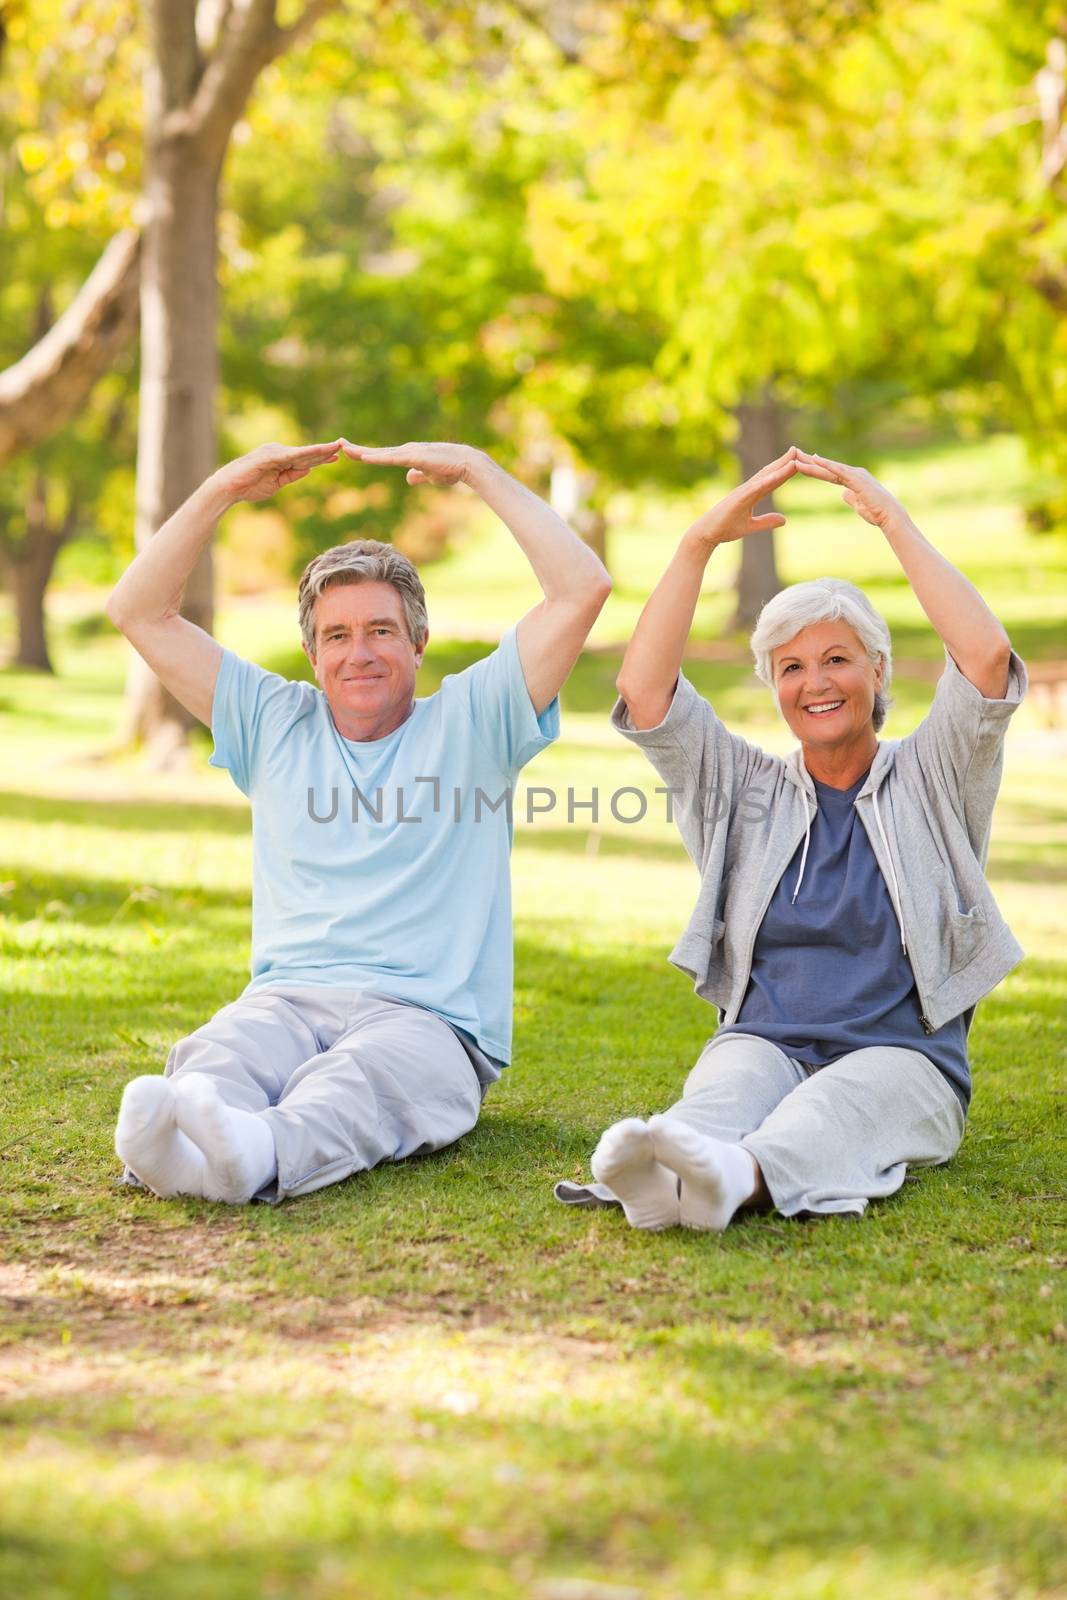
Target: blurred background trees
<point>619,245</point>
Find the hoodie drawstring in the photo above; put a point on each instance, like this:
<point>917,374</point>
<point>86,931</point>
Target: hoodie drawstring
<point>803,854</point>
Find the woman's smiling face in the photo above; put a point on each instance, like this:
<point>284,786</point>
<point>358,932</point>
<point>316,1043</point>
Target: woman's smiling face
<point>826,683</point>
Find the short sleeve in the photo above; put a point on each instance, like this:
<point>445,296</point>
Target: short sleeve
<point>705,766</point>
<point>963,730</point>
<point>500,706</point>
<point>251,707</point>
<point>959,745</point>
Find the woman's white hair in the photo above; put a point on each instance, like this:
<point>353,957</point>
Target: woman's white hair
<point>824,600</point>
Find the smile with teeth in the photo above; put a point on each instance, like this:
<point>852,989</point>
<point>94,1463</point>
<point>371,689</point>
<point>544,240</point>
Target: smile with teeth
<point>824,707</point>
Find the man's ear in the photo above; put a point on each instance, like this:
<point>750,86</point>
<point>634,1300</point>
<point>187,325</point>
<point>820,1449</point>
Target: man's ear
<point>311,658</point>
<point>420,649</point>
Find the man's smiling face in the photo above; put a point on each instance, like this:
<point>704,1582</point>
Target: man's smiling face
<point>365,661</point>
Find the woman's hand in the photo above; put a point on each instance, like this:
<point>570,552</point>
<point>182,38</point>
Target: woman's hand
<point>426,463</point>
<point>860,490</point>
<point>265,470</point>
<point>972,635</point>
<point>733,518</point>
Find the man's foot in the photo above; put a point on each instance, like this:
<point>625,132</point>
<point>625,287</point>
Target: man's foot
<point>152,1145</point>
<point>716,1178</point>
<point>625,1161</point>
<point>237,1146</point>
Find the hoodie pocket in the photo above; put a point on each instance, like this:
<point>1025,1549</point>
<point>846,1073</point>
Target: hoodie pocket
<point>964,933</point>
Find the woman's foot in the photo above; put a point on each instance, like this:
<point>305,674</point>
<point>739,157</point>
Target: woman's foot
<point>626,1162</point>
<point>715,1178</point>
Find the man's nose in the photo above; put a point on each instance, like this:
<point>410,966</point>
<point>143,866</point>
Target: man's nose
<point>359,647</point>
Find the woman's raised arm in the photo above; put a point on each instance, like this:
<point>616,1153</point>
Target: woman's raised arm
<point>972,635</point>
<point>653,657</point>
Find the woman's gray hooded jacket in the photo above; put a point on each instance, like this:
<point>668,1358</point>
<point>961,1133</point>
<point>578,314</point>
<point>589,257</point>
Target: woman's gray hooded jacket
<point>927,807</point>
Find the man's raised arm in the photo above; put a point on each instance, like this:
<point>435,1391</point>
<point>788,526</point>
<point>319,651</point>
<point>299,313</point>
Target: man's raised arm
<point>574,579</point>
<point>145,603</point>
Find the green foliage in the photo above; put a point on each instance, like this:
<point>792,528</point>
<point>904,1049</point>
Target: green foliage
<point>70,95</point>
<point>68,117</point>
<point>586,233</point>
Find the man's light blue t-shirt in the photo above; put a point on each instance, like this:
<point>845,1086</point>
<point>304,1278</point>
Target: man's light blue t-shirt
<point>384,864</point>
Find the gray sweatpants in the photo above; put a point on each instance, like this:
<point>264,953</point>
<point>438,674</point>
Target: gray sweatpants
<point>828,1139</point>
<point>344,1078</point>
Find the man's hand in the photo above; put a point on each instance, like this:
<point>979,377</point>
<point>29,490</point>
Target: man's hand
<point>263,471</point>
<point>868,498</point>
<point>573,580</point>
<point>442,464</point>
<point>733,517</point>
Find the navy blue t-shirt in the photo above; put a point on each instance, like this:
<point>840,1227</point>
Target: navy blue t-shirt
<point>829,974</point>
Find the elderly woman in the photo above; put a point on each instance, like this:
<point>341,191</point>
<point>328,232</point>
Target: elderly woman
<point>844,927</point>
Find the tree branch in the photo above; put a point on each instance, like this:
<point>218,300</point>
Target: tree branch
<point>248,41</point>
<point>175,59</point>
<point>312,13</point>
<point>50,383</point>
<point>560,30</point>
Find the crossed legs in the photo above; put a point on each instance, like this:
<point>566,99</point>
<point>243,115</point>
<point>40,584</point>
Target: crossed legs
<point>756,1128</point>
<point>287,1090</point>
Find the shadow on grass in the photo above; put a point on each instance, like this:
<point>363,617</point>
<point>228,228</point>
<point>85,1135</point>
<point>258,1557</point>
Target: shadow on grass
<point>1006,866</point>
<point>132,816</point>
<point>70,897</point>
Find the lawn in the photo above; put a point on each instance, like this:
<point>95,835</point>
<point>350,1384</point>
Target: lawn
<point>433,1380</point>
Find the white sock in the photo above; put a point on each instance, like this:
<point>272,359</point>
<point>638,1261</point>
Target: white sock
<point>625,1161</point>
<point>152,1145</point>
<point>716,1178</point>
<point>238,1146</point>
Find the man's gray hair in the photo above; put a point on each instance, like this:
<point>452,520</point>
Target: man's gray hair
<point>362,561</point>
<point>824,600</point>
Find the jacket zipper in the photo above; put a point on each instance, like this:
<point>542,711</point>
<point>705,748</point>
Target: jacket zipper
<point>924,1021</point>
<point>763,909</point>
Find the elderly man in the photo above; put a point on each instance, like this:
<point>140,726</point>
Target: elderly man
<point>379,1009</point>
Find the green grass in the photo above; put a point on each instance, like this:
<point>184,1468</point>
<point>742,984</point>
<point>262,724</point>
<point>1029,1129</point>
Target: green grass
<point>432,1379</point>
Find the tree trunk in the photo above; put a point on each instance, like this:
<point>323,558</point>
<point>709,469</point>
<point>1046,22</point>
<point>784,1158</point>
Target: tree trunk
<point>759,440</point>
<point>572,495</point>
<point>195,90</point>
<point>179,373</point>
<point>32,561</point>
